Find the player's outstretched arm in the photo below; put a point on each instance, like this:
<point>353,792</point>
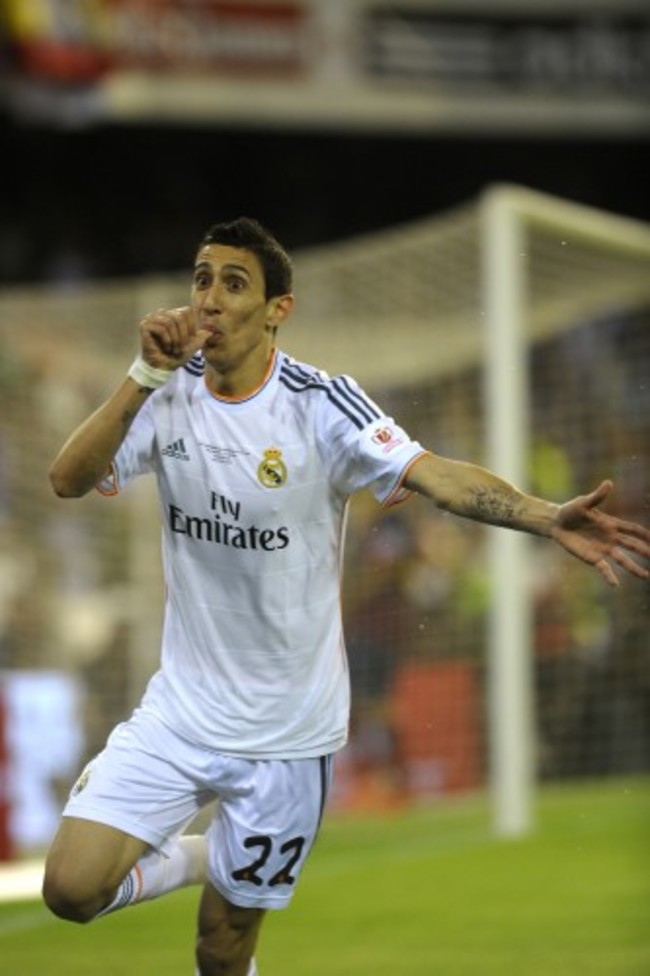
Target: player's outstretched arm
<point>579,526</point>
<point>168,339</point>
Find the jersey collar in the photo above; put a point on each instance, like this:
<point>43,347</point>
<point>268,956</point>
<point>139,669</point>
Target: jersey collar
<point>250,394</point>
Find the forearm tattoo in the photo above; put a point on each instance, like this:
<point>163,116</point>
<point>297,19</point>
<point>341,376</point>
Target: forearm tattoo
<point>127,419</point>
<point>129,416</point>
<point>494,505</point>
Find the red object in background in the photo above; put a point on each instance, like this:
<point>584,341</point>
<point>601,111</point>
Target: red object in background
<point>6,846</point>
<point>61,43</point>
<point>58,61</point>
<point>435,709</point>
<point>77,44</point>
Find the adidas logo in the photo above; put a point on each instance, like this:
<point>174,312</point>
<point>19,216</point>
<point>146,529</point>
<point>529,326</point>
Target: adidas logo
<point>176,450</point>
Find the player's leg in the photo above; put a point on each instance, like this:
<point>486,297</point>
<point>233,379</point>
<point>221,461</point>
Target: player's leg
<point>120,840</point>
<point>227,936</point>
<point>184,863</point>
<point>85,866</point>
<point>92,869</point>
<point>264,827</point>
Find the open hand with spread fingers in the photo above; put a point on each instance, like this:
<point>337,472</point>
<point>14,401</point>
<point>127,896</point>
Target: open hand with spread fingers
<point>602,540</point>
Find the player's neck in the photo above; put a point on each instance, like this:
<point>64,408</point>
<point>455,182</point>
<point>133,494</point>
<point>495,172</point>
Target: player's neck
<point>238,381</point>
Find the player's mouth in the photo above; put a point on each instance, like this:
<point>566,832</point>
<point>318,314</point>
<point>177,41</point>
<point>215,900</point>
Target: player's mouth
<point>216,334</point>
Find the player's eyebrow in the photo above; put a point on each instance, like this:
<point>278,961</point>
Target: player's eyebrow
<point>205,265</point>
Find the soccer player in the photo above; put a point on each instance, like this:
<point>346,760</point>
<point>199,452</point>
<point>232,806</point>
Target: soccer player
<point>255,457</point>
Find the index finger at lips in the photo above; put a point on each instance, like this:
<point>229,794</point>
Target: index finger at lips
<point>179,327</point>
<point>163,326</point>
<point>185,318</point>
<point>185,325</point>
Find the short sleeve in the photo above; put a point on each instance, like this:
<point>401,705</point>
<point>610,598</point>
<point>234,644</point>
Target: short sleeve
<point>386,452</point>
<point>364,448</point>
<point>135,456</point>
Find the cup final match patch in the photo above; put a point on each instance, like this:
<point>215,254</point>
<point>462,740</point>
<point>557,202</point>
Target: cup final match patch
<point>386,438</point>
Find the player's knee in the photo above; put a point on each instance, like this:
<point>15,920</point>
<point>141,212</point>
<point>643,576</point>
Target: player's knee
<point>69,900</point>
<point>219,960</point>
<point>220,954</point>
<point>65,905</point>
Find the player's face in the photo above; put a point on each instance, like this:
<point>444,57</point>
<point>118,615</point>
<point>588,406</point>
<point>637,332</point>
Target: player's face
<point>228,297</point>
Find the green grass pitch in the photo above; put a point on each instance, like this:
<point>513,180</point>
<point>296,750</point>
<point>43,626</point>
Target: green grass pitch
<point>428,892</point>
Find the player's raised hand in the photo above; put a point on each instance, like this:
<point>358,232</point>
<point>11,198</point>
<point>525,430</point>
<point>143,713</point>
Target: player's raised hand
<point>170,337</point>
<point>602,540</point>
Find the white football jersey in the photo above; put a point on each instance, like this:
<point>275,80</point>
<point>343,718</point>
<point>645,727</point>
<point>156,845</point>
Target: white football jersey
<point>253,495</point>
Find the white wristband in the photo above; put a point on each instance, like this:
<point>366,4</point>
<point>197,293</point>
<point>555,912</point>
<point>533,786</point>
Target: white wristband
<point>148,376</point>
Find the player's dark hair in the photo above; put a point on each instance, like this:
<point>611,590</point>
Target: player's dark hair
<point>250,235</point>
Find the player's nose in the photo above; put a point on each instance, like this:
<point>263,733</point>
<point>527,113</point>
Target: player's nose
<point>214,299</point>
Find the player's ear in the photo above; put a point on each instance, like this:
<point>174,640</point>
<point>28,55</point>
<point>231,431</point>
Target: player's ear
<point>279,308</point>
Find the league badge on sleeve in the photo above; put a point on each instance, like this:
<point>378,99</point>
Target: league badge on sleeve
<point>386,438</point>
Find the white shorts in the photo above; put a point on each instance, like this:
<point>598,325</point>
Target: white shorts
<point>150,783</point>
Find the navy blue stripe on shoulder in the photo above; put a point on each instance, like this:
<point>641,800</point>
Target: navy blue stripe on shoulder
<point>351,402</point>
<point>302,371</point>
<point>196,365</point>
<point>358,399</point>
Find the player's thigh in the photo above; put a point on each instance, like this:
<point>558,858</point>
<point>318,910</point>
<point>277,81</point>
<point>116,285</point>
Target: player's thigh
<point>147,783</point>
<point>86,858</point>
<point>264,828</point>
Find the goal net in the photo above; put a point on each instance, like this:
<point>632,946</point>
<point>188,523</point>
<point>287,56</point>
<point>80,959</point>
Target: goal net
<point>513,331</point>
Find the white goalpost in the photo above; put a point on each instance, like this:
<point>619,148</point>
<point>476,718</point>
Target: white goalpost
<point>510,685</point>
<point>509,216</point>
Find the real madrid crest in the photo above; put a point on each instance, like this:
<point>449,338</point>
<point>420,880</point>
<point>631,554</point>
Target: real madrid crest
<point>272,471</point>
<point>82,782</point>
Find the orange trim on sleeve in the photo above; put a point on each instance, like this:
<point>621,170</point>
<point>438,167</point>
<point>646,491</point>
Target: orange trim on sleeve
<point>111,489</point>
<point>399,494</point>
